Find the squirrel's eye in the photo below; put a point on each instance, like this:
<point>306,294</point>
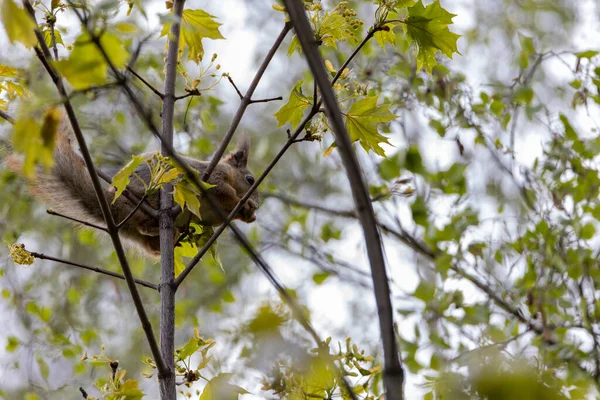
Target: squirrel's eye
<point>250,179</point>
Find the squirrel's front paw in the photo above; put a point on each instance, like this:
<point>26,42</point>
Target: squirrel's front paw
<point>247,213</point>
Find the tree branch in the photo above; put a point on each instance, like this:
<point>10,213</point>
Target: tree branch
<point>91,225</point>
<point>245,101</point>
<point>147,208</point>
<point>133,211</point>
<point>4,115</point>
<point>145,82</point>
<point>266,100</point>
<point>95,269</point>
<point>44,56</point>
<point>393,373</point>
<point>168,389</point>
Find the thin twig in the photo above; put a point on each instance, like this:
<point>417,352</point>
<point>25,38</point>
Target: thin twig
<point>245,101</point>
<point>120,224</point>
<point>95,269</point>
<point>266,100</point>
<point>91,225</point>
<point>147,208</point>
<point>185,96</point>
<point>145,82</point>
<point>53,35</point>
<point>4,115</point>
<point>235,87</point>
<point>44,56</point>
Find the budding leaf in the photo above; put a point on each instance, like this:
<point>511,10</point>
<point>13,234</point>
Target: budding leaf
<point>121,179</point>
<point>195,26</point>
<point>18,24</point>
<point>362,120</point>
<point>428,27</point>
<point>293,111</point>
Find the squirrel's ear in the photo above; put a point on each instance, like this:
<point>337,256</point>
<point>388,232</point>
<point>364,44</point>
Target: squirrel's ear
<point>239,157</point>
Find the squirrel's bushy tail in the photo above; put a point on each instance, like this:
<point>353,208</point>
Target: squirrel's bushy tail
<point>68,187</point>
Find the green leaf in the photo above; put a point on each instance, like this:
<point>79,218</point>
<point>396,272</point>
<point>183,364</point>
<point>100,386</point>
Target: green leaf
<point>195,26</point>
<point>328,232</point>
<point>48,37</point>
<point>121,179</point>
<point>587,54</point>
<point>588,231</point>
<point>13,344</point>
<point>332,29</point>
<point>192,346</point>
<point>570,133</point>
<point>523,95</point>
<point>293,110</point>
<point>44,369</point>
<point>385,35</point>
<point>425,291</point>
<point>36,141</point>
<point>86,65</point>
<point>320,277</point>
<point>19,26</point>
<point>428,27</point>
<point>362,120</point>
<point>187,197</point>
<point>413,161</point>
<point>219,388</point>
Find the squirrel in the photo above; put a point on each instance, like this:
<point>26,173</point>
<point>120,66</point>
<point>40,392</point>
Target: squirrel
<point>67,188</point>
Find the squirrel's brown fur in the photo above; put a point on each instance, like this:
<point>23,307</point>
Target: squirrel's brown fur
<point>68,189</point>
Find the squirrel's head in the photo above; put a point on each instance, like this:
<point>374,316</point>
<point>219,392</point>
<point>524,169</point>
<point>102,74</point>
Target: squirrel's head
<point>238,159</point>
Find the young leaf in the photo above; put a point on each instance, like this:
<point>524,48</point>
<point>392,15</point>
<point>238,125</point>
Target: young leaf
<point>293,111</point>
<point>18,24</point>
<point>332,29</point>
<point>185,195</point>
<point>121,179</point>
<point>48,37</point>
<point>195,26</point>
<point>86,65</point>
<point>220,388</point>
<point>428,27</point>
<point>362,120</point>
<point>36,140</point>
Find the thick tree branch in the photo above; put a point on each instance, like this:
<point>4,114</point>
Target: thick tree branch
<point>95,269</point>
<point>44,56</point>
<point>393,373</point>
<point>168,389</point>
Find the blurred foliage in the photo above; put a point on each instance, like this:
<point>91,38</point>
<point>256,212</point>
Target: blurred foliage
<point>483,173</point>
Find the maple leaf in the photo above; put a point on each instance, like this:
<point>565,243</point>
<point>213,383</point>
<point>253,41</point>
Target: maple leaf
<point>195,26</point>
<point>293,110</point>
<point>428,27</point>
<point>361,122</point>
